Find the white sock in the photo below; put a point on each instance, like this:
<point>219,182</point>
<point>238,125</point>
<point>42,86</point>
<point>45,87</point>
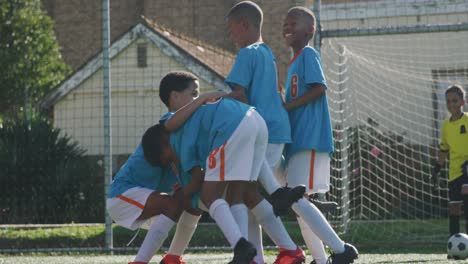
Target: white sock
<point>318,224</point>
<point>240,213</point>
<point>314,244</point>
<point>255,237</point>
<point>184,232</point>
<point>267,178</point>
<point>219,211</point>
<point>272,224</point>
<point>155,237</point>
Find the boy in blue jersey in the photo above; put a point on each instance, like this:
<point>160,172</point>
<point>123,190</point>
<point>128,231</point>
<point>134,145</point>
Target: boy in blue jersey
<point>210,130</point>
<point>308,155</point>
<point>253,80</point>
<point>141,190</point>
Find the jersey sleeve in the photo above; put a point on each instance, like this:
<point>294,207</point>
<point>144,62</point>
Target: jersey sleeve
<point>444,146</point>
<point>165,117</point>
<point>242,71</point>
<point>313,68</point>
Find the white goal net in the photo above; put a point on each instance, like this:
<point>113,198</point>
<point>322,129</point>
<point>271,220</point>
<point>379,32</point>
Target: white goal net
<point>386,95</point>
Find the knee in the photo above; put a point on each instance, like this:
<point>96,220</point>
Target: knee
<point>464,190</point>
<point>173,210</point>
<point>455,209</point>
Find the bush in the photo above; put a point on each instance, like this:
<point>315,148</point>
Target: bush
<point>45,177</point>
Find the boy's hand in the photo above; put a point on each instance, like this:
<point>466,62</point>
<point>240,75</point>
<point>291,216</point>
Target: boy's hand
<point>183,200</point>
<point>179,197</point>
<point>435,175</point>
<point>212,96</point>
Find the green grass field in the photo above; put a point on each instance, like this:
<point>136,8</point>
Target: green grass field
<point>211,258</point>
<point>400,241</point>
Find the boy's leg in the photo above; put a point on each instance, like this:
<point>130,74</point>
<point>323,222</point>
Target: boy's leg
<point>273,158</point>
<point>314,244</point>
<point>168,213</point>
<point>465,202</point>
<point>255,237</point>
<point>313,170</point>
<point>155,237</point>
<point>219,210</point>
<point>263,212</point>
<point>238,209</point>
<point>318,224</point>
<point>319,165</point>
<point>455,205</point>
<point>273,180</point>
<point>184,232</point>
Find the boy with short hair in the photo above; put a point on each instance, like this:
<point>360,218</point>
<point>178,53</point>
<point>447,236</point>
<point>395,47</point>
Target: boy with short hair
<point>215,131</point>
<point>141,189</point>
<point>139,192</point>
<point>308,155</point>
<point>183,93</point>
<point>454,145</point>
<point>254,80</point>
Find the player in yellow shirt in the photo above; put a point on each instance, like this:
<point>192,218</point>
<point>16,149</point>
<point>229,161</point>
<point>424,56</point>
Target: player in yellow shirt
<point>454,145</point>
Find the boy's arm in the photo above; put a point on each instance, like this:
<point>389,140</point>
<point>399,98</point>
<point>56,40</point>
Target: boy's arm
<point>317,90</point>
<point>179,117</point>
<point>196,182</point>
<point>442,157</point>
<point>238,93</point>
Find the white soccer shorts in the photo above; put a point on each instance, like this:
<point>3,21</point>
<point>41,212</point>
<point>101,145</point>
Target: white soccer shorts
<point>127,207</point>
<point>310,168</point>
<point>241,156</point>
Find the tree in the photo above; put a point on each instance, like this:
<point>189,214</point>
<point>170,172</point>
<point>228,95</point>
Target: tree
<point>30,61</point>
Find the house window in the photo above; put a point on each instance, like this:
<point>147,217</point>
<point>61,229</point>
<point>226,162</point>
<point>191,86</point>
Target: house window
<point>142,55</point>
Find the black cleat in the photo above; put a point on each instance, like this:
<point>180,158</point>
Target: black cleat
<point>244,252</point>
<point>280,201</point>
<point>284,197</point>
<point>324,206</point>
<point>297,193</point>
<point>348,256</point>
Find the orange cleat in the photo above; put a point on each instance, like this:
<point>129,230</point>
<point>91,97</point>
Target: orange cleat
<point>290,256</point>
<point>172,259</point>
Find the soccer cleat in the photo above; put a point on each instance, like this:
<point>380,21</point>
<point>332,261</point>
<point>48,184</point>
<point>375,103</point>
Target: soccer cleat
<point>285,256</point>
<point>284,197</point>
<point>348,256</point>
<point>244,252</point>
<point>324,206</point>
<point>172,259</point>
<point>297,193</point>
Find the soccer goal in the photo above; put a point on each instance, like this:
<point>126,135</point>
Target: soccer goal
<point>388,64</point>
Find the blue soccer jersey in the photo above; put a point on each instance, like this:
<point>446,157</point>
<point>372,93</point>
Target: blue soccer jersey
<point>165,117</point>
<point>255,69</point>
<point>310,123</point>
<point>209,127</point>
<point>137,172</point>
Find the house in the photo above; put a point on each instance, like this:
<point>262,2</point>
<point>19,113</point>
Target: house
<point>139,59</point>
